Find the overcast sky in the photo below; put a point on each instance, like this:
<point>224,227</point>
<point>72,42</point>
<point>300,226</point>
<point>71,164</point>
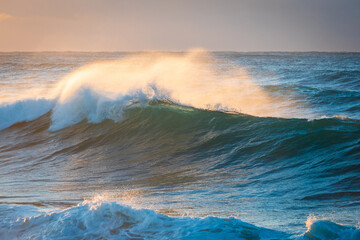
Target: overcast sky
<point>222,25</point>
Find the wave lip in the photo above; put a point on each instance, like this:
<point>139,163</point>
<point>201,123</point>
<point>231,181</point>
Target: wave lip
<point>24,110</point>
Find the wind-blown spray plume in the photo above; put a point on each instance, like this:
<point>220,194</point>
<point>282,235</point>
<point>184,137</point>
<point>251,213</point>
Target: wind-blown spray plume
<point>102,90</point>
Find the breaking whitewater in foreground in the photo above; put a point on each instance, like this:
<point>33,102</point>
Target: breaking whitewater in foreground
<point>109,220</point>
<point>179,145</point>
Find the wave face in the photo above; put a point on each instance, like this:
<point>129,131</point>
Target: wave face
<point>218,146</point>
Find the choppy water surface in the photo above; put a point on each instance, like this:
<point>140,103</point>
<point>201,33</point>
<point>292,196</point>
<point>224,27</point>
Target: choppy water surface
<point>179,145</point>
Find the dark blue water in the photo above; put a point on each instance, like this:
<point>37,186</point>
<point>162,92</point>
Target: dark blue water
<point>93,165</point>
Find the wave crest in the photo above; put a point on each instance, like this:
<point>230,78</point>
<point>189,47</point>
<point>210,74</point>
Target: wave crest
<point>102,90</point>
<point>24,110</point>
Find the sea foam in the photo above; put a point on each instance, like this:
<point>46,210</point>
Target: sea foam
<point>111,220</point>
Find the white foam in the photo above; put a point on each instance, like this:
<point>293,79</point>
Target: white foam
<point>109,220</point>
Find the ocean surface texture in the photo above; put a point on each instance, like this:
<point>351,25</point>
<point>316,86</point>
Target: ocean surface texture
<point>192,145</point>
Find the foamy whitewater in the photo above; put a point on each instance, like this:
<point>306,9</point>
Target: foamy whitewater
<point>192,145</point>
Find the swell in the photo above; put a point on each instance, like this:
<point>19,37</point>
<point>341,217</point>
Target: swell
<point>174,136</point>
<point>161,120</point>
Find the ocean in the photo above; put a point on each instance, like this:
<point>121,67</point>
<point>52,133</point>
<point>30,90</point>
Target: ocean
<point>179,145</point>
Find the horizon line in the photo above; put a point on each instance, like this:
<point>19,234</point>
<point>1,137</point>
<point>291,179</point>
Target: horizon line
<point>175,51</point>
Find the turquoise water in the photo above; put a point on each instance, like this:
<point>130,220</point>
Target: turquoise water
<point>275,158</point>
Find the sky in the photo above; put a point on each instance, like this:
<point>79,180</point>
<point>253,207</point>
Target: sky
<point>177,25</point>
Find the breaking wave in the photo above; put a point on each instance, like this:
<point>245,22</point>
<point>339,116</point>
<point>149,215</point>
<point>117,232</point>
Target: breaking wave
<point>248,158</point>
<point>103,90</point>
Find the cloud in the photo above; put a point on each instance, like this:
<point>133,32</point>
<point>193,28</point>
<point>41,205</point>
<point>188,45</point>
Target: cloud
<point>4,16</point>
